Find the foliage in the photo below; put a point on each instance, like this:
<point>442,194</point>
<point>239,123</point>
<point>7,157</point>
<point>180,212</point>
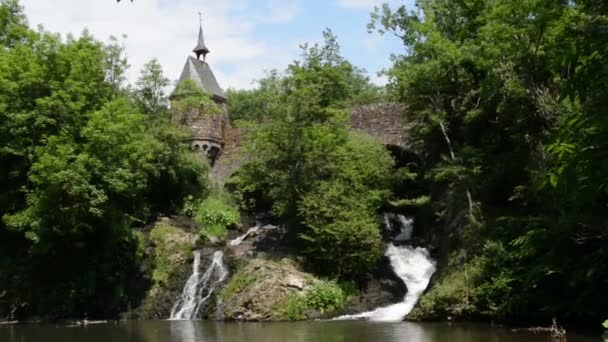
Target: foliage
<point>167,241</point>
<point>508,105</point>
<point>216,214</point>
<point>253,104</point>
<point>404,204</point>
<point>189,98</point>
<point>80,166</point>
<point>341,234</point>
<point>329,77</point>
<point>326,183</point>
<point>150,91</point>
<point>237,284</point>
<point>326,297</point>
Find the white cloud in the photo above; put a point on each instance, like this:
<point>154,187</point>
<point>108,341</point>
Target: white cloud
<point>378,79</point>
<point>366,4</point>
<point>167,30</point>
<point>281,11</point>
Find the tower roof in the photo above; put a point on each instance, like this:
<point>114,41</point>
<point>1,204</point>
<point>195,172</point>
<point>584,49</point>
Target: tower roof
<point>201,48</point>
<point>200,72</point>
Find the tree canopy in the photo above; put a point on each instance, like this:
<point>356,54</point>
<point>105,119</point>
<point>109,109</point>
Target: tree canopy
<point>508,98</point>
<point>82,162</point>
<point>326,182</point>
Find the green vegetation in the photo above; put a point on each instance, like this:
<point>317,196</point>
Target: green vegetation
<point>508,103</point>
<point>326,297</point>
<point>237,284</point>
<point>507,173</point>
<point>192,98</point>
<point>170,246</point>
<point>83,162</point>
<point>216,214</point>
<point>171,249</point>
<point>325,182</point>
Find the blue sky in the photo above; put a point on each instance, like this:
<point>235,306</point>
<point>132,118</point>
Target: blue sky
<point>246,36</point>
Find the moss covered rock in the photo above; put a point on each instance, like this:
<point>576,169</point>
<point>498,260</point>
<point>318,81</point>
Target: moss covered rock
<point>265,290</point>
<point>167,257</point>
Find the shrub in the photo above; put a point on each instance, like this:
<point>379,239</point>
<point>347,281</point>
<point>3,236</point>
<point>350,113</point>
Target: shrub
<point>216,214</point>
<point>342,233</point>
<point>476,288</point>
<point>327,297</point>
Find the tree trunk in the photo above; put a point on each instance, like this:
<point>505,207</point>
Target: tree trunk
<point>453,156</point>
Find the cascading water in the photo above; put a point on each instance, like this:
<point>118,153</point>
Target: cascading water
<point>239,240</point>
<point>199,288</point>
<point>406,227</point>
<point>412,265</point>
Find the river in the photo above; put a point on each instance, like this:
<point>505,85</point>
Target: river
<point>324,331</point>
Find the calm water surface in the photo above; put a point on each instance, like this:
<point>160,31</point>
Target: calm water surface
<point>195,331</point>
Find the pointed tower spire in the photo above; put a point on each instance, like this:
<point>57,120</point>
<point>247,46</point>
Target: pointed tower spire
<point>200,48</point>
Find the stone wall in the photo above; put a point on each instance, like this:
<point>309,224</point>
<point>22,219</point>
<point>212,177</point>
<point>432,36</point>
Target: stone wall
<point>232,156</point>
<point>385,121</point>
<point>208,130</point>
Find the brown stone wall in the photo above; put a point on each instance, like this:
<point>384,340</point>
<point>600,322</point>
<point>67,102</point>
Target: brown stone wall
<point>204,126</point>
<point>385,121</point>
<point>232,156</point>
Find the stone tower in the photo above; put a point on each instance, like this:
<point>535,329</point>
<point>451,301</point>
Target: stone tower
<point>208,130</point>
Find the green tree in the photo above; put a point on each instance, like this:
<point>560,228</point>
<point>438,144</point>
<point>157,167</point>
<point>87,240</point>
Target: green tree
<point>116,65</point>
<point>513,134</point>
<point>79,167</point>
<point>326,183</point>
<point>151,87</point>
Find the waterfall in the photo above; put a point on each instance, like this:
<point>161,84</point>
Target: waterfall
<point>406,228</point>
<point>199,288</point>
<point>412,265</point>
<point>239,240</point>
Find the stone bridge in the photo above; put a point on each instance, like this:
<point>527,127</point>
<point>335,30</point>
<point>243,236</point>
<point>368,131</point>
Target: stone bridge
<point>384,121</point>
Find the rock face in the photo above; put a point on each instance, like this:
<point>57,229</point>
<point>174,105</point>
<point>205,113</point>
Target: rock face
<point>257,291</point>
<point>168,255</point>
<point>260,289</point>
<point>382,288</point>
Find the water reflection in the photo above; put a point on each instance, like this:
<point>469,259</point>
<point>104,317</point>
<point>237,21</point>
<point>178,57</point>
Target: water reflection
<point>199,331</point>
<point>186,331</point>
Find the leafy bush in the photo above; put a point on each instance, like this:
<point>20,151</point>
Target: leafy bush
<point>326,182</point>
<point>216,214</point>
<point>342,233</point>
<point>327,297</point>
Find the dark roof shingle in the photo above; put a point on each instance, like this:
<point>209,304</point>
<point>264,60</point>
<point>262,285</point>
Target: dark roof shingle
<point>200,72</point>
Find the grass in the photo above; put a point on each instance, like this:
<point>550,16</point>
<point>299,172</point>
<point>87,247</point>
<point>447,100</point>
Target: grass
<point>216,214</point>
<point>327,297</point>
<point>239,282</point>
